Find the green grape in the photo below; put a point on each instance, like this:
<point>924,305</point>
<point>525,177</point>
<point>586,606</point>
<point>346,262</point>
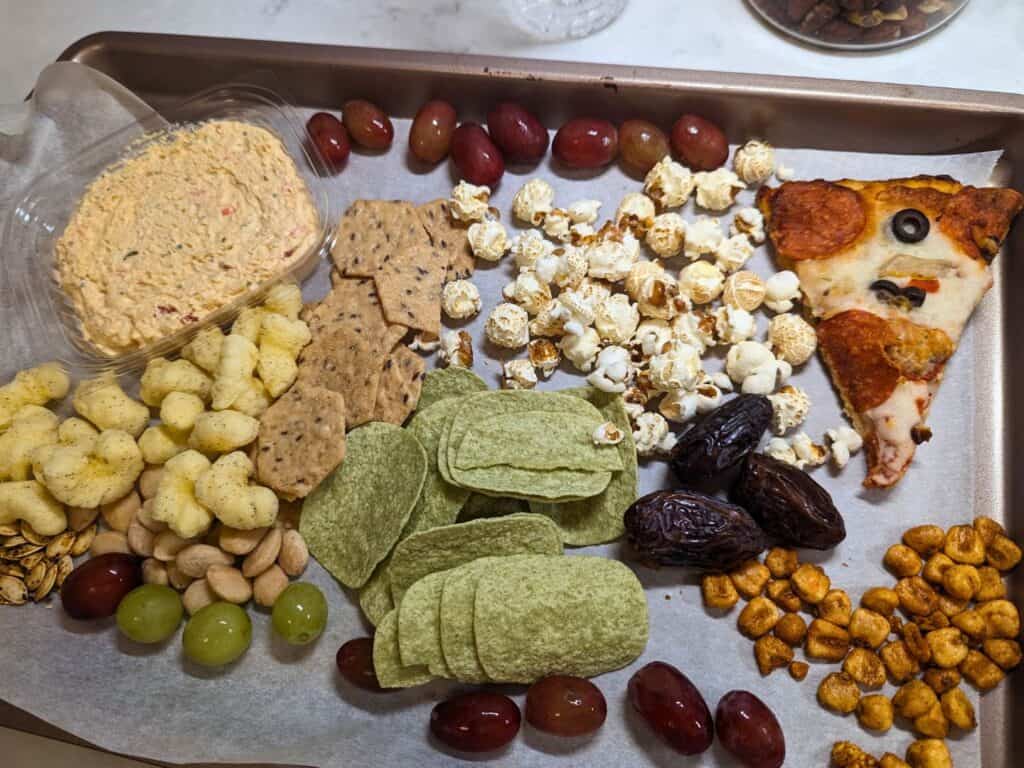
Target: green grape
<point>217,634</point>
<point>149,614</point>
<point>300,613</point>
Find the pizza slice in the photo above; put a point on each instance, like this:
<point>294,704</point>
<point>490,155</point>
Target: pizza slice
<point>891,272</point>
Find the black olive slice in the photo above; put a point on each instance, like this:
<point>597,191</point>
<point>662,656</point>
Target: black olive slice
<point>886,286</point>
<point>910,226</point>
<point>915,295</point>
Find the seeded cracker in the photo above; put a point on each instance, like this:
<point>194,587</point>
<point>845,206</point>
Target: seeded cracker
<point>450,237</point>
<point>387,662</point>
<point>371,230</point>
<point>409,286</point>
<point>399,388</point>
<point>301,440</point>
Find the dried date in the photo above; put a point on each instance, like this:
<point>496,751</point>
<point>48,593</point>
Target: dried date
<point>788,504</point>
<point>691,528</point>
<point>721,439</point>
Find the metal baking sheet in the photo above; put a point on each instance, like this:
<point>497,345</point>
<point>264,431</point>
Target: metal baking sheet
<point>789,112</point>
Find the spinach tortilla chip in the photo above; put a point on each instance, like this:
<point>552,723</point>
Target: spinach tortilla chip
<point>387,661</point>
<point>443,383</point>
<point>419,625</point>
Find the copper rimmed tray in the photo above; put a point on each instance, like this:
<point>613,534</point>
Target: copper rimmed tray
<point>789,112</point>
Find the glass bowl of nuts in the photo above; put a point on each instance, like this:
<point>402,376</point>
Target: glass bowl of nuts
<point>857,24</point>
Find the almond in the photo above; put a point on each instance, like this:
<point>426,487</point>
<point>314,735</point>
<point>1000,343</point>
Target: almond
<point>198,596</point>
<point>229,584</point>
<point>154,572</point>
<point>167,545</point>
<point>109,541</point>
<point>239,542</point>
<point>177,579</point>
<point>118,514</point>
<point>269,585</point>
<point>196,559</point>
<point>264,555</point>
<point>149,481</point>
<point>140,539</point>
<point>145,516</point>
<point>294,554</point>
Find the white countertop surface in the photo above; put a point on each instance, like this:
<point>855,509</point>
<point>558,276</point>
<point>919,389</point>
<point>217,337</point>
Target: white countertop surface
<point>983,48</point>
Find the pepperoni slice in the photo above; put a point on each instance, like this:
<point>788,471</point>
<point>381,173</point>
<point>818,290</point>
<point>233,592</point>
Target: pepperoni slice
<point>813,219</point>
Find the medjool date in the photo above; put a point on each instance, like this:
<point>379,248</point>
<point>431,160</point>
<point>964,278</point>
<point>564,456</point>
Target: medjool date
<point>721,439</point>
<point>691,528</point>
<point>788,504</point>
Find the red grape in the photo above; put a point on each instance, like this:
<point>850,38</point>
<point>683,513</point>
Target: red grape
<point>749,731</point>
<point>367,124</point>
<point>700,143</point>
<point>355,663</point>
<point>673,707</point>
<point>476,158</point>
<point>475,722</point>
<point>430,136</point>
<point>330,137</point>
<point>95,588</point>
<point>520,136</point>
<point>565,706</point>
<point>642,145</point>
<point>586,143</point>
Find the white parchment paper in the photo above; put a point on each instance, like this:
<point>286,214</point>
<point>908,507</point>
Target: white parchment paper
<point>281,705</point>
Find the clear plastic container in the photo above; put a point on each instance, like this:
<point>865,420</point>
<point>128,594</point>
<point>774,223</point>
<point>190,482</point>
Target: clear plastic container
<point>49,321</point>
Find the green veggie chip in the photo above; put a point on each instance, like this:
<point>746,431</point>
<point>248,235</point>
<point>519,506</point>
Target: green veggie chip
<point>443,383</point>
<point>387,661</point>
<point>450,546</point>
<point>355,516</point>
<point>419,628</point>
<point>534,484</point>
<point>478,505</point>
<point>375,595</point>
<point>537,616</point>
<point>458,641</point>
<point>440,501</point>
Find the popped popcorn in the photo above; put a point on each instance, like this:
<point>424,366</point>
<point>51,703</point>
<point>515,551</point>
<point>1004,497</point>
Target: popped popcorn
<point>844,442</point>
<point>668,183</point>
<point>784,172</point>
<point>576,310</point>
<point>781,290</point>
<point>530,246</point>
<point>612,260</point>
<point>532,201</point>
<point>639,274</point>
<point>571,267</point>
<point>616,319</point>
<point>460,299</point>
<point>456,349</point>
<point>701,281</point>
<point>508,326</point>
<point>580,233</point>
<point>658,297</point>
<point>608,434</point>
<point>635,212</point>
<point>544,356</point>
<point>807,451</point>
<point>550,321</point>
<point>734,324</point>
<point>651,337</point>
<point>744,289</point>
<point>682,405</point>
<point>593,291</point>
<point>755,161</point>
<point>612,371</point>
<point>753,366</point>
<point>717,190</point>
<point>697,329</point>
<point>733,252</point>
<point>652,435</point>
<point>529,292</point>
<point>790,406</point>
<point>557,224</point>
<point>677,366</point>
<point>469,202</point>
<point>780,450</point>
<point>518,374</point>
<point>488,240</point>
<point>703,236</point>
<point>792,338</point>
<point>580,349</point>
<point>666,235</point>
<point>749,222</point>
<point>425,341</point>
<point>584,211</point>
<point>634,409</point>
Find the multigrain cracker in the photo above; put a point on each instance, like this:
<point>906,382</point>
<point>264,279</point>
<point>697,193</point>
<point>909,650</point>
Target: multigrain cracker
<point>409,285</point>
<point>301,440</point>
<point>450,237</point>
<point>371,230</point>
<point>399,388</point>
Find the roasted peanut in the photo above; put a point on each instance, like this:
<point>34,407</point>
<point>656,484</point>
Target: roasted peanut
<point>929,753</point>
<point>771,654</point>
<point>949,647</point>
<point>177,579</point>
<point>941,680</point>
<point>239,542</point>
<point>875,712</point>
<point>926,540</point>
<point>889,760</point>
<point>826,641</point>
<point>229,584</point>
<point>881,600</point>
<point>961,582</point>
<point>902,561</point>
<point>149,481</point>
<point>782,594</point>
<point>791,629</point>
<point>811,583</point>
<point>119,514</point>
<point>154,572</point>
<point>899,662</point>
<point>839,693</point>
<point>951,606</point>
<point>109,541</point>
<point>1002,619</point>
<point>988,529</point>
<point>934,620</point>
<point>1005,653</point>
<point>992,586</point>
<point>980,671</point>
<point>718,591</point>
<point>932,723</point>
<point>916,596</point>
<point>269,585</point>
<point>264,555</point>
<point>958,709</point>
<point>835,607</point>
<point>758,617</point>
<point>197,596</point>
<point>1002,553</point>
<point>750,578</point>
<point>868,628</point>
<point>916,643</point>
<point>781,562</point>
<point>914,699</point>
<point>168,544</point>
<point>798,670</point>
<point>964,545</point>
<point>865,667</point>
<point>936,566</point>
<point>195,559</point>
<point>140,539</point>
